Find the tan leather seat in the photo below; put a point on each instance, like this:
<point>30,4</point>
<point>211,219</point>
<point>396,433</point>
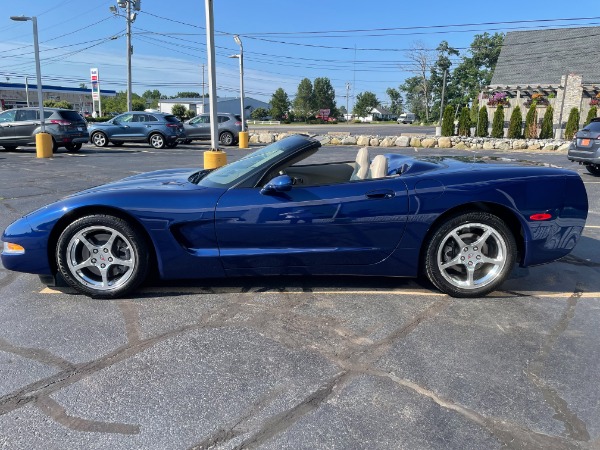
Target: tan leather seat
<point>379,167</point>
<point>361,169</point>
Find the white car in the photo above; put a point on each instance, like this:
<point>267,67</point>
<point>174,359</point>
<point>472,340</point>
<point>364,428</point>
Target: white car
<point>406,118</point>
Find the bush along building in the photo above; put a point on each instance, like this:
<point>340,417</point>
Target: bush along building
<point>546,68</point>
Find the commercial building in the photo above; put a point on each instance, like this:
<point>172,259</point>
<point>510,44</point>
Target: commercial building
<point>19,95</point>
<point>224,105</point>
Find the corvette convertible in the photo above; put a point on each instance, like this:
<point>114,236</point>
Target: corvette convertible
<point>462,224</point>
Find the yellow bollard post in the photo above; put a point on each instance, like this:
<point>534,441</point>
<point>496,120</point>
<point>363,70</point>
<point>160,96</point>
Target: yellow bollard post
<point>214,159</point>
<point>43,145</point>
<point>243,139</point>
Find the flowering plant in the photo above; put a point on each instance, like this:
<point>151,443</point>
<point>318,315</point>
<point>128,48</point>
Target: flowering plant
<point>538,98</point>
<point>594,101</point>
<point>498,99</point>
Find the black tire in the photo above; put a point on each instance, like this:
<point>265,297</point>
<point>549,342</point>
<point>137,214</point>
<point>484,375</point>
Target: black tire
<point>157,140</point>
<point>10,148</point>
<point>117,143</point>
<point>54,145</point>
<point>226,138</point>
<point>99,139</point>
<point>459,263</point>
<point>73,147</point>
<point>102,256</point>
<point>594,169</point>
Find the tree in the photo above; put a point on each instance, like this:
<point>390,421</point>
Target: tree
<point>464,122</point>
<point>152,97</point>
<point>483,123</point>
<point>547,131</point>
<point>415,100</point>
<point>138,104</point>
<point>179,111</point>
<point>592,114</point>
<point>365,102</point>
<point>516,123</point>
<point>259,114</point>
<point>531,131</point>
<point>83,86</point>
<point>186,94</point>
<point>395,101</point>
<point>324,96</point>
<point>441,65</point>
<point>448,121</point>
<point>474,112</point>
<point>420,65</point>
<point>58,104</point>
<point>280,104</point>
<point>572,124</point>
<point>304,101</point>
<point>498,123</point>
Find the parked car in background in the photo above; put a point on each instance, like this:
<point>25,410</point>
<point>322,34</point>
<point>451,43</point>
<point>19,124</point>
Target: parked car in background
<point>406,118</point>
<point>229,128</point>
<point>19,127</point>
<point>585,148</point>
<point>157,129</point>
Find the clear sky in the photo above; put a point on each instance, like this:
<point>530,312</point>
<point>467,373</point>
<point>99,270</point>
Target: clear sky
<point>360,43</point>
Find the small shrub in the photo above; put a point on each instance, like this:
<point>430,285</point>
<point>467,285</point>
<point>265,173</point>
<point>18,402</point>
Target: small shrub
<point>572,124</point>
<point>464,122</point>
<point>531,131</point>
<point>498,123</point>
<point>179,110</point>
<point>448,121</point>
<point>592,114</point>
<point>547,131</point>
<point>484,123</point>
<point>516,122</point>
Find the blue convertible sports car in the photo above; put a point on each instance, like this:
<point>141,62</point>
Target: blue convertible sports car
<point>461,223</point>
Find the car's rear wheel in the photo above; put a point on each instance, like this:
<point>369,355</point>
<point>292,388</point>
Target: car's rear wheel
<point>157,140</point>
<point>102,256</point>
<point>594,169</point>
<point>470,255</point>
<point>10,148</point>
<point>226,138</point>
<point>99,139</point>
<point>73,147</point>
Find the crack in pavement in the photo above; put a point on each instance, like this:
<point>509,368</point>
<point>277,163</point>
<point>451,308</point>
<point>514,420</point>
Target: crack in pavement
<point>39,355</point>
<point>574,426</point>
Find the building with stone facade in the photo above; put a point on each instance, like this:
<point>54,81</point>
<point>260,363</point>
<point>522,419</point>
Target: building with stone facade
<point>556,66</point>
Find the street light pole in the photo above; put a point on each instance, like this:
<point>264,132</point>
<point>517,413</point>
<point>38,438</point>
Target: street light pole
<point>129,55</point>
<point>38,71</point>
<point>238,41</point>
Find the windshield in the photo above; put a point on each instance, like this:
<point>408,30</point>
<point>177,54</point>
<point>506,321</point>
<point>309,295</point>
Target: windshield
<point>239,170</point>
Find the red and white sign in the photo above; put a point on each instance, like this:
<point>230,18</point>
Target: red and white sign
<point>95,78</point>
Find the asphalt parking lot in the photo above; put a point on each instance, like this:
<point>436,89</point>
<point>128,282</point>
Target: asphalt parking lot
<point>295,363</point>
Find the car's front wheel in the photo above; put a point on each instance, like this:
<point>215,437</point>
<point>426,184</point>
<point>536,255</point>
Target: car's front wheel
<point>226,138</point>
<point>594,169</point>
<point>157,140</point>
<point>99,139</point>
<point>470,255</point>
<point>73,147</point>
<point>102,256</point>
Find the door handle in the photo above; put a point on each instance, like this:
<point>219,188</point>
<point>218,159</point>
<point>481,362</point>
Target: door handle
<point>383,193</point>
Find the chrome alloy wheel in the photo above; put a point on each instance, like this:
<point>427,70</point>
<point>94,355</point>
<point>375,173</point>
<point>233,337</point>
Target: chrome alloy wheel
<point>472,256</point>
<point>101,258</point>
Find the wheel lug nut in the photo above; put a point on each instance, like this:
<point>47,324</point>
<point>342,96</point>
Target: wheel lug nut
<point>95,250</point>
<point>475,248</point>
<point>470,263</point>
<point>93,260</point>
<point>478,256</point>
<point>105,250</point>
<point>103,265</point>
<point>466,249</point>
<point>462,258</point>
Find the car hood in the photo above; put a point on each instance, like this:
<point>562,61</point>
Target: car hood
<point>171,179</point>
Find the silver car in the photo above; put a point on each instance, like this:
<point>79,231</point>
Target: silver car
<point>229,128</point>
<point>19,127</point>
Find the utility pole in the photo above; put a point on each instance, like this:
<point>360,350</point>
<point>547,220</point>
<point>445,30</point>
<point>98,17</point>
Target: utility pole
<point>347,93</point>
<point>130,17</point>
<point>203,95</point>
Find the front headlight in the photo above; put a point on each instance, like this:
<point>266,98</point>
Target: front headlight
<point>12,249</point>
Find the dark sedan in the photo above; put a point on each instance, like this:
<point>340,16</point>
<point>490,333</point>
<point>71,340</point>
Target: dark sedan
<point>585,148</point>
<point>462,224</point>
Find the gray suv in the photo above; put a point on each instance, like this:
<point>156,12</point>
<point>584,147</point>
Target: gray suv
<point>19,127</point>
<point>229,128</point>
<point>157,129</point>
<point>585,148</point>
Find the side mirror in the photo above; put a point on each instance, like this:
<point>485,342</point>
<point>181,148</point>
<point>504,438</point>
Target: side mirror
<point>282,183</point>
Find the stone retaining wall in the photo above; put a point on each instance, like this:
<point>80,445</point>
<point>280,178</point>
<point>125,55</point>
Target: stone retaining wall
<point>457,142</point>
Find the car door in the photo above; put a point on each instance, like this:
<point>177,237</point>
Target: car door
<point>26,121</point>
<point>353,223</point>
<point>7,119</point>
<point>121,127</point>
<point>198,127</point>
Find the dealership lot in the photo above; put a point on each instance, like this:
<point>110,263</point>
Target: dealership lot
<point>294,362</point>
